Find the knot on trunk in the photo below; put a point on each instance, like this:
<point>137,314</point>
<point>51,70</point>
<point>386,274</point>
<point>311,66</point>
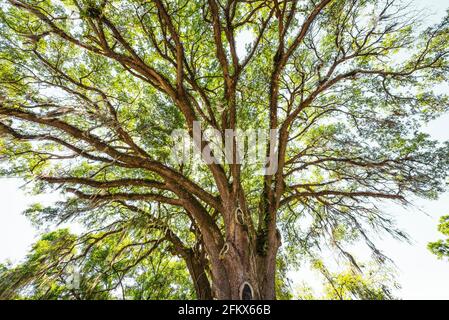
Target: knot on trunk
<point>246,291</point>
<point>224,251</point>
<point>239,216</point>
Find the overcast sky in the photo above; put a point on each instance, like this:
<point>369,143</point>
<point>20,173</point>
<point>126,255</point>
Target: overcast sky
<point>421,275</point>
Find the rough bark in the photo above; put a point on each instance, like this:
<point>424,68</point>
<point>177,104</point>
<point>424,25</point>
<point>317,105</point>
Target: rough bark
<point>198,273</point>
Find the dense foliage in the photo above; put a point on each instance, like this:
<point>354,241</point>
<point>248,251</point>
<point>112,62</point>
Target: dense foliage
<point>58,269</point>
<point>91,90</point>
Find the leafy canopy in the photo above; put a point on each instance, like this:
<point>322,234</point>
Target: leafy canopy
<point>90,92</point>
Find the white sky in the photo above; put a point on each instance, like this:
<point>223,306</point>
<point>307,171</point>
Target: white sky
<point>421,274</point>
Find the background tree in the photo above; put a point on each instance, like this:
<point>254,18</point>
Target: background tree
<point>373,284</point>
<point>92,89</point>
<point>60,267</point>
<point>441,247</point>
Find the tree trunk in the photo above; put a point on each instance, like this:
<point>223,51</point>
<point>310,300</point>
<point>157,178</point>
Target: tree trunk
<point>249,273</point>
<point>250,277</point>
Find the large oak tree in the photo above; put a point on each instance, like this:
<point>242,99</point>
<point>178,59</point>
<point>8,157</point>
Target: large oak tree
<point>92,89</point>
